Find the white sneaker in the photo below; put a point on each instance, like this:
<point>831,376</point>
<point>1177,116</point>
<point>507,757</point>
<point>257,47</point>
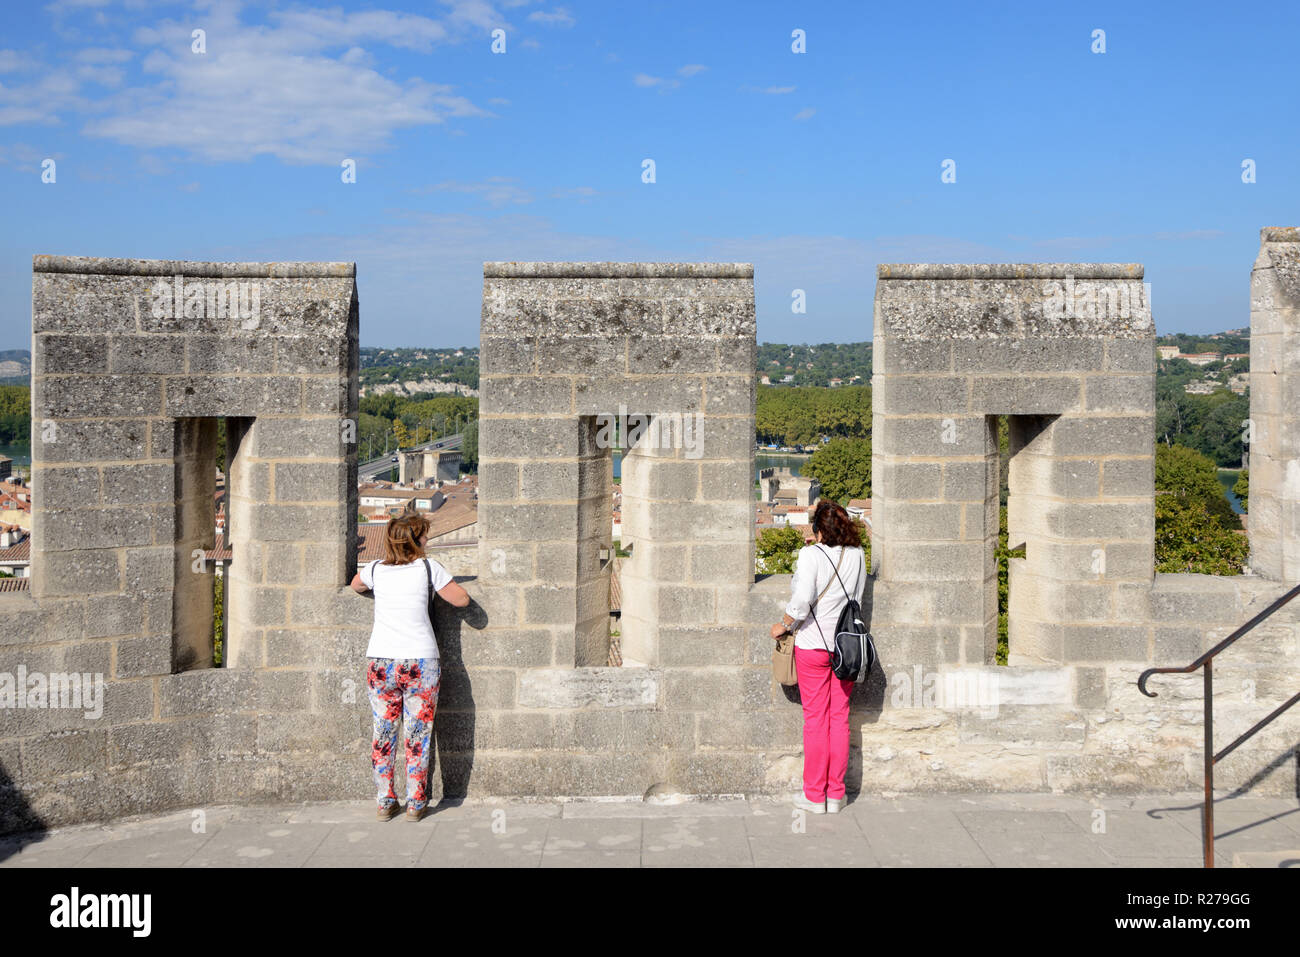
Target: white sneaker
<point>811,807</point>
<point>833,805</point>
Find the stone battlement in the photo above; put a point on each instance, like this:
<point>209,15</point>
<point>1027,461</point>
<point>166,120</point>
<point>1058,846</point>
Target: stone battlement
<point>657,359</point>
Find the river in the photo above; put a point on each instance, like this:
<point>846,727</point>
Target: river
<point>1228,478</point>
<point>21,454</point>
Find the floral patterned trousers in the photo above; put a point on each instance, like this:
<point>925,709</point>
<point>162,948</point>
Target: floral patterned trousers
<point>403,689</point>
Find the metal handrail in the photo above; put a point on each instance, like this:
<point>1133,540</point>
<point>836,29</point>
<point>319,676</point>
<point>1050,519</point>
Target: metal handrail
<point>1211,759</point>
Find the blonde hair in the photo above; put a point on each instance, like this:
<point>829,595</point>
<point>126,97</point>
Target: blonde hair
<point>402,538</point>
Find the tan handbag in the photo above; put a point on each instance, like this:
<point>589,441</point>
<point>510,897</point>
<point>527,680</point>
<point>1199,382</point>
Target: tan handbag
<point>783,655</point>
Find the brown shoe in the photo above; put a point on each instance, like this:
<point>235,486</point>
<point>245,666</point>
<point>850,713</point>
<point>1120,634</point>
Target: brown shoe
<point>414,814</point>
<point>388,811</point>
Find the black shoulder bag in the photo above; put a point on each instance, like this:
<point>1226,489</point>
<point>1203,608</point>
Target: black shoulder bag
<point>854,651</point>
<point>433,617</point>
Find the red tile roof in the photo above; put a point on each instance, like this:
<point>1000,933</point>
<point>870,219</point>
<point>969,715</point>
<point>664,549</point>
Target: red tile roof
<point>22,552</point>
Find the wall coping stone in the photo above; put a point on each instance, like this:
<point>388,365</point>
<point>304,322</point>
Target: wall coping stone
<point>1009,270</point>
<point>93,266</point>
<point>1280,234</point>
<point>612,270</point>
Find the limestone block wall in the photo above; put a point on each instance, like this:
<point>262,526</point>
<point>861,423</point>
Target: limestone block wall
<point>1274,410</point>
<point>133,363</point>
<point>123,408</point>
<point>666,350</point>
<point>1066,350</point>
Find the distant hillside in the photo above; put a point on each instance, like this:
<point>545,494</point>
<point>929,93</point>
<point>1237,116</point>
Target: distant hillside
<point>1228,342</point>
<point>417,370</point>
<point>849,362</point>
<point>437,369</point>
<point>413,370</point>
<point>15,366</point>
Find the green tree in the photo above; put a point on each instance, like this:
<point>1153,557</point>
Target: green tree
<point>843,466</point>
<point>1210,424</point>
<point>1189,476</point>
<point>469,445</point>
<point>801,416</point>
<point>776,549</point>
<point>15,415</point>
<point>1004,556</point>
<point>218,613</point>
<point>1189,539</point>
<point>1242,489</point>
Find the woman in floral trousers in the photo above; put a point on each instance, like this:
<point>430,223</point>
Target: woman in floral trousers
<point>404,671</point>
<point>402,689</point>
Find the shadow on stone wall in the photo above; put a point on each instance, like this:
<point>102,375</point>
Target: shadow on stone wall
<point>869,697</point>
<point>453,727</point>
<point>18,820</point>
<point>1290,756</point>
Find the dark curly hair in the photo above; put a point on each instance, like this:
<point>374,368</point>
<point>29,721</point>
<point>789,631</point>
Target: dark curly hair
<point>835,526</point>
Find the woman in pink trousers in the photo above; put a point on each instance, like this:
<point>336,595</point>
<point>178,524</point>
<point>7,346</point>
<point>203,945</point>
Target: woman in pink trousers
<point>816,600</point>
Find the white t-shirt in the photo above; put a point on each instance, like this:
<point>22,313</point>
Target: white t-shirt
<point>402,626</point>
<point>814,569</point>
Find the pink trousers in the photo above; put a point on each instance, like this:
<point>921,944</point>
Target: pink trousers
<point>825,725</point>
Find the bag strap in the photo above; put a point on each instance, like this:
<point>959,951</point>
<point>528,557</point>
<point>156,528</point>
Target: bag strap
<point>836,568</point>
<point>823,591</point>
<point>814,605</point>
<point>837,573</point>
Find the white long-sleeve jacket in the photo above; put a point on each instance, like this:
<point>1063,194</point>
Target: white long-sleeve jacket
<point>815,568</point>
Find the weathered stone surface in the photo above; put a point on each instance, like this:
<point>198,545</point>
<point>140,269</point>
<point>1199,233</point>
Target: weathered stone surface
<point>698,712</point>
<point>581,687</point>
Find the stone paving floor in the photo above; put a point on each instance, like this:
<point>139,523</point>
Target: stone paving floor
<point>906,830</point>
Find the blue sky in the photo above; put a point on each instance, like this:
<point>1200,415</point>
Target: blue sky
<point>813,166</point>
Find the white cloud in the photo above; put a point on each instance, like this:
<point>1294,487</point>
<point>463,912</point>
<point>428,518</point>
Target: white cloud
<point>1190,234</point>
<point>331,28</point>
<point>805,114</point>
<point>52,92</point>
<point>154,165</point>
<point>1096,242</point>
<point>559,17</point>
<point>106,76</point>
<point>101,55</point>
<point>581,193</point>
<point>24,156</point>
<point>498,191</point>
<point>303,90</point>
<point>646,80</point>
<point>530,44</point>
<point>67,6</point>
<point>14,61</point>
